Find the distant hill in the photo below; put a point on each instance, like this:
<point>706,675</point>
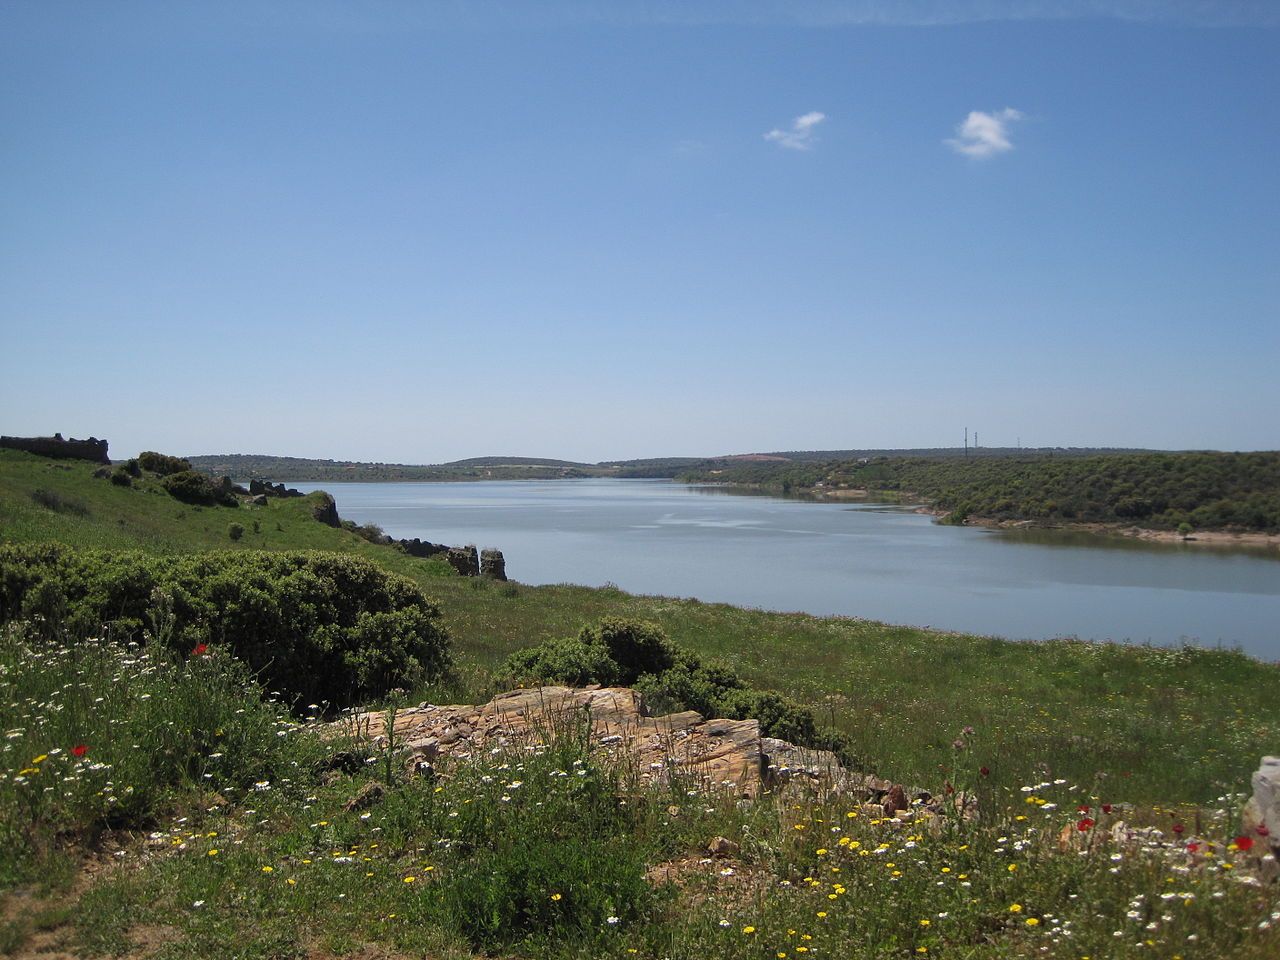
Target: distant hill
<point>248,466</point>
<point>1206,490</point>
<point>513,462</point>
<point>807,455</point>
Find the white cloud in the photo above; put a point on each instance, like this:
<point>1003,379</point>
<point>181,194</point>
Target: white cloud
<point>984,134</point>
<point>800,136</point>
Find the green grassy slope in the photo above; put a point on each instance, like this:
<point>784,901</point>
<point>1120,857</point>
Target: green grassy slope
<point>1173,725</point>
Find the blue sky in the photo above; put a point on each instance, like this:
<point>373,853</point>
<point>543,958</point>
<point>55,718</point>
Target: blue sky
<point>416,232</point>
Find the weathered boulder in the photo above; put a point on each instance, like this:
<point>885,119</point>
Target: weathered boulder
<point>492,565</point>
<point>722,754</point>
<point>1260,819</point>
<point>422,548</point>
<point>269,489</point>
<point>722,848</point>
<point>785,762</point>
<point>326,510</point>
<point>258,500</point>
<point>465,560</point>
<point>371,794</point>
<point>727,755</point>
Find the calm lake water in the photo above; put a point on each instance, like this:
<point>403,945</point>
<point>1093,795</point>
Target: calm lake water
<point>865,560</point>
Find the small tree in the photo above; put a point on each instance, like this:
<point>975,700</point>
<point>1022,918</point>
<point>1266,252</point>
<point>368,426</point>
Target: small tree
<point>1185,530</point>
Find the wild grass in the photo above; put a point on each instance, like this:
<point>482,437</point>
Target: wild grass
<point>239,842</point>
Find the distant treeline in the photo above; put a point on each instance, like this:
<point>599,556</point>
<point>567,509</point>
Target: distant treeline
<point>1212,491</point>
<point>247,466</point>
<point>294,469</point>
<point>251,466</point>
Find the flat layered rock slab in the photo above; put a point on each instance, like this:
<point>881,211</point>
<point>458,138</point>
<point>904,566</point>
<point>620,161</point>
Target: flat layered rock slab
<point>717,753</point>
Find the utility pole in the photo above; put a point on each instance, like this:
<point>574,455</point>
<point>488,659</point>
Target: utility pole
<point>975,441</point>
<point>966,441</point>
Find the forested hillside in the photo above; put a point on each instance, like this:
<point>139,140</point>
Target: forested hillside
<point>1210,491</point>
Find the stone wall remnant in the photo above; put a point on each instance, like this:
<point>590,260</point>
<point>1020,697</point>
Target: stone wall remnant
<point>492,565</point>
<point>465,560</point>
<point>326,510</point>
<point>60,449</point>
<point>269,489</point>
<point>422,548</point>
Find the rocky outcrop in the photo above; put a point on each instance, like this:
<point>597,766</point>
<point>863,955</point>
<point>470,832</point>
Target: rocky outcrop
<point>326,510</point>
<point>719,754</point>
<point>492,565</point>
<point>421,548</point>
<point>268,489</point>
<point>60,449</point>
<point>1260,819</point>
<point>465,560</point>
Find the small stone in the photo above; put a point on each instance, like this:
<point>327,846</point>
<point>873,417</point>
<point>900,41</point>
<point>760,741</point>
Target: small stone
<point>722,848</point>
<point>894,800</point>
<point>370,795</point>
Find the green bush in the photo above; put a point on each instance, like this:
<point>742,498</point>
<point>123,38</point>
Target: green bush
<point>161,463</point>
<point>235,531</point>
<point>563,660</point>
<point>636,646</point>
<point>121,477</point>
<point>319,627</point>
<point>192,487</point>
<point>369,531</point>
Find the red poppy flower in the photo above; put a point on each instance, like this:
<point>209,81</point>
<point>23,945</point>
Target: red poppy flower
<point>1106,808</point>
<point>984,772</point>
<point>199,649</point>
<point>1083,808</point>
<point>1085,824</point>
<point>1178,828</point>
<point>79,750</point>
<point>1261,830</point>
<point>1192,847</point>
<point>1244,843</point>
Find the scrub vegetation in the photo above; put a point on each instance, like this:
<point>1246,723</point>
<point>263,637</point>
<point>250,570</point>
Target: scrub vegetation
<point>1162,491</point>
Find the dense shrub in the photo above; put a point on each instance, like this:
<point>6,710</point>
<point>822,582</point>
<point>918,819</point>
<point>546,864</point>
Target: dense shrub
<point>191,487</point>
<point>369,531</point>
<point>637,647</point>
<point>121,477</point>
<point>638,653</point>
<point>161,463</point>
<point>1225,491</point>
<point>319,627</point>
<point>563,660</point>
<point>235,530</point>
